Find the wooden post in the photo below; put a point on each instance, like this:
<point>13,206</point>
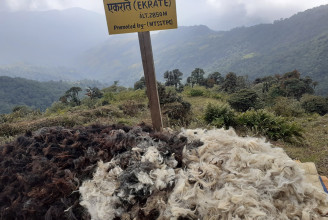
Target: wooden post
<point>150,78</point>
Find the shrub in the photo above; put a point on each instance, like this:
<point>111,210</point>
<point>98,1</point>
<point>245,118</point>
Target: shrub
<point>173,106</point>
<point>243,100</point>
<point>220,115</point>
<point>138,96</point>
<point>196,92</point>
<point>315,104</point>
<point>288,107</point>
<point>179,113</point>
<point>131,108</point>
<point>88,102</point>
<point>274,127</point>
<point>167,95</point>
<point>7,130</point>
<point>56,107</point>
<point>107,98</point>
<point>276,91</point>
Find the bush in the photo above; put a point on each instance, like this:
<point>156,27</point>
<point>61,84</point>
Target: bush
<point>56,107</point>
<point>173,106</point>
<point>196,92</point>
<point>167,95</point>
<point>131,108</point>
<point>243,100</point>
<point>315,104</point>
<point>138,96</point>
<point>107,98</point>
<point>89,103</point>
<point>220,115</point>
<point>288,107</point>
<point>8,130</point>
<point>178,113</point>
<point>274,127</point>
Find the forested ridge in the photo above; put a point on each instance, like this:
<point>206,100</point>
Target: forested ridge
<point>299,42</point>
<point>34,94</point>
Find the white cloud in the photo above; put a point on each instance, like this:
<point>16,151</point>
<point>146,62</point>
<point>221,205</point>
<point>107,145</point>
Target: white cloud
<point>217,14</point>
<point>26,5</point>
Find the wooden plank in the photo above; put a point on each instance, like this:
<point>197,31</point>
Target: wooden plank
<point>150,78</point>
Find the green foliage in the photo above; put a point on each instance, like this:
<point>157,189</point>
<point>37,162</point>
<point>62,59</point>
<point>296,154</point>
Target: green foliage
<point>167,95</point>
<point>315,104</point>
<point>94,93</point>
<point>173,106</point>
<point>138,96</point>
<point>274,127</point>
<point>141,84</point>
<point>287,107</point>
<point>230,83</point>
<point>56,108</point>
<point>296,88</point>
<point>196,78</point>
<point>214,79</point>
<point>276,91</point>
<point>131,108</point>
<point>115,88</point>
<point>89,103</point>
<point>173,78</point>
<point>220,115</point>
<point>18,113</point>
<point>196,92</point>
<point>107,98</point>
<point>71,96</point>
<point>124,95</point>
<point>243,100</point>
<point>8,130</point>
<point>178,113</point>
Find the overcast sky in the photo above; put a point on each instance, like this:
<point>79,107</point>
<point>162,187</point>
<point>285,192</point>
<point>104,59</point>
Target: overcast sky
<point>217,14</point>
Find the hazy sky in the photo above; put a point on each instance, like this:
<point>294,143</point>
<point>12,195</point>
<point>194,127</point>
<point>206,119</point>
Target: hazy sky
<point>217,14</point>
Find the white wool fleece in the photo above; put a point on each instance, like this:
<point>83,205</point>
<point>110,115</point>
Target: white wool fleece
<point>228,177</point>
<point>231,177</point>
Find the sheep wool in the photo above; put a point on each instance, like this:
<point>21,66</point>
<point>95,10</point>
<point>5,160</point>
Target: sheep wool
<point>223,177</point>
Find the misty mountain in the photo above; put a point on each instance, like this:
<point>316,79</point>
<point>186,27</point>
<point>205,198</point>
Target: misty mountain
<point>49,37</point>
<point>74,44</point>
<point>299,42</point>
<point>42,73</point>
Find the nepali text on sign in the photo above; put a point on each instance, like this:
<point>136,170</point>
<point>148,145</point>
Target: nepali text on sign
<point>126,16</point>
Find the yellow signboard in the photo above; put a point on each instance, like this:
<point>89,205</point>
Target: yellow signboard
<point>126,16</point>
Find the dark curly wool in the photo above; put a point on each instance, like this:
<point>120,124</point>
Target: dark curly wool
<point>40,173</point>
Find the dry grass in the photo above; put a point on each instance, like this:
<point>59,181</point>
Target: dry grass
<point>315,147</point>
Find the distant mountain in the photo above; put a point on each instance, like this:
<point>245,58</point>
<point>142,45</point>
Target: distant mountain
<point>41,73</point>
<point>74,44</point>
<point>299,42</point>
<point>52,38</point>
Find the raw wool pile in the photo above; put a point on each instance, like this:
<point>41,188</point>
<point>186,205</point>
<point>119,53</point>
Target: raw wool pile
<point>40,173</point>
<point>222,176</point>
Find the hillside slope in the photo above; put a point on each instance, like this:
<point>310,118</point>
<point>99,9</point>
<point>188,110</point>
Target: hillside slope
<point>35,94</point>
<point>19,91</point>
<point>299,42</point>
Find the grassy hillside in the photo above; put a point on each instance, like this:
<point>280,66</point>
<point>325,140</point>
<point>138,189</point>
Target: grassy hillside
<point>283,120</point>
